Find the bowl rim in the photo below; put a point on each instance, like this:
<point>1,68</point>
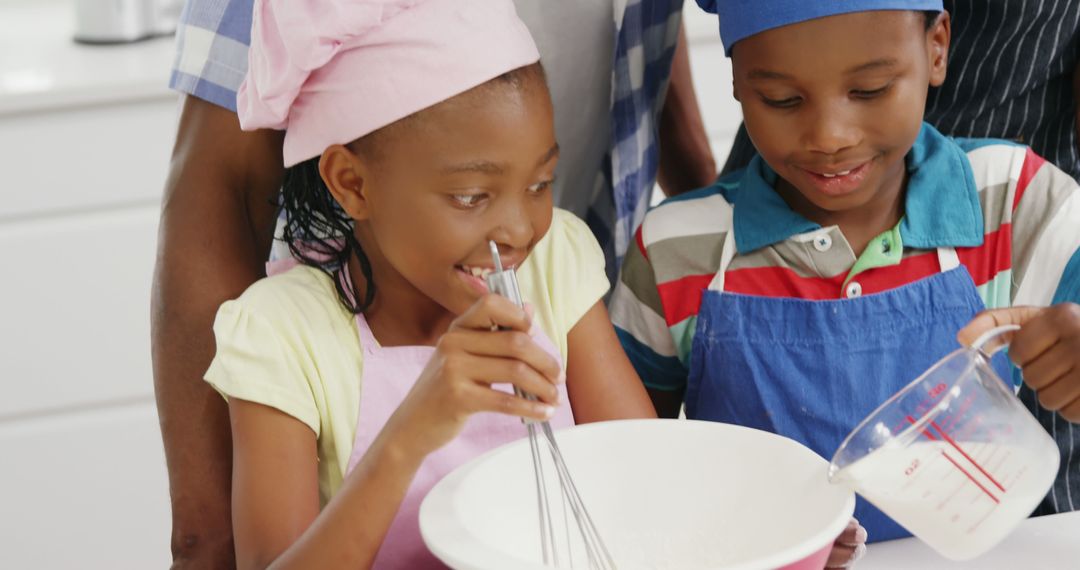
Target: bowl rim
<point>448,540</point>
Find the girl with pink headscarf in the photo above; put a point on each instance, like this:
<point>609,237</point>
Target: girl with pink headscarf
<point>416,131</point>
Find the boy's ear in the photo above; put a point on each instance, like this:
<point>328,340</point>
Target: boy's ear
<point>345,175</point>
<point>937,44</point>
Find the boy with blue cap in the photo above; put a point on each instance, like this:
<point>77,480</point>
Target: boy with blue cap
<point>798,294</point>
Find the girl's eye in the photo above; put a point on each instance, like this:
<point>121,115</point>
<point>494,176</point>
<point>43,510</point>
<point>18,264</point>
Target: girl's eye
<point>467,200</point>
<point>540,187</point>
<point>870,93</point>
<point>782,103</point>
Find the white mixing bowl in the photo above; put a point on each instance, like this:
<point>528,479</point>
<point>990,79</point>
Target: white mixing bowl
<point>663,493</point>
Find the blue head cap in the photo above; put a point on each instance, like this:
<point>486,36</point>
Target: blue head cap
<point>743,18</point>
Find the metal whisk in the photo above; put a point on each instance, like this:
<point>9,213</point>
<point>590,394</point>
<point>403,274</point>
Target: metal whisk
<point>505,283</point>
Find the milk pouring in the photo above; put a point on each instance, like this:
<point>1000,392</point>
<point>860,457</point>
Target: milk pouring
<point>954,457</point>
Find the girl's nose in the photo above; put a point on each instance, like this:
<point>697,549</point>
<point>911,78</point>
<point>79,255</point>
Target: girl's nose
<point>513,229</point>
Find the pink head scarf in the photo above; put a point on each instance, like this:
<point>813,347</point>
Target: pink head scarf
<point>332,71</point>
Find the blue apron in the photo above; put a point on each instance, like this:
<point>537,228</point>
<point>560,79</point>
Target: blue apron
<point>812,370</point>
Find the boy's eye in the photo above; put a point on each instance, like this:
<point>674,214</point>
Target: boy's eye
<point>781,103</point>
<point>540,187</point>
<point>870,93</point>
<point>467,200</point>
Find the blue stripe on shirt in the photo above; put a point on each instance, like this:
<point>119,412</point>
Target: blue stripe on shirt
<point>1068,290</point>
<point>664,373</point>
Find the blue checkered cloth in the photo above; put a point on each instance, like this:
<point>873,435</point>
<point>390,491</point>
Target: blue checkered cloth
<point>211,61</point>
<point>647,31</point>
<point>211,49</point>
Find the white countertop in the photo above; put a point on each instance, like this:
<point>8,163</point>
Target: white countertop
<point>1040,543</point>
<point>42,68</point>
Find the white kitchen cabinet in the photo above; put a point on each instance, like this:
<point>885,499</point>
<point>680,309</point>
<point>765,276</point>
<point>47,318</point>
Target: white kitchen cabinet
<point>85,137</point>
<point>84,489</point>
<point>75,331</point>
<point>85,158</point>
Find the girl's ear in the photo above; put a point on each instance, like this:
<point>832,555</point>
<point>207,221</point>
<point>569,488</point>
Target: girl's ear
<point>345,176</point>
<point>937,44</point>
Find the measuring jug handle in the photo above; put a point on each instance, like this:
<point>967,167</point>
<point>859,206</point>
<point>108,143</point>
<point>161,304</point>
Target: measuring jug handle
<point>990,335</point>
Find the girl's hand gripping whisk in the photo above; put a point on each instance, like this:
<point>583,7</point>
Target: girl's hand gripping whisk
<point>587,538</point>
<point>457,381</point>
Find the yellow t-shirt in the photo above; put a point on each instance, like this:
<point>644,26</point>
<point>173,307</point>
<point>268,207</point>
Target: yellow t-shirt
<point>290,344</point>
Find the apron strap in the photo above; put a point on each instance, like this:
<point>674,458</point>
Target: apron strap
<point>728,253</point>
<point>947,258</point>
<point>367,339</point>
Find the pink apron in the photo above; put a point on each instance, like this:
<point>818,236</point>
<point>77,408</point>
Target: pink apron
<point>389,374</point>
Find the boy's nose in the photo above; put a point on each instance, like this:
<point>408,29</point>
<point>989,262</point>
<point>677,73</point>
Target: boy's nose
<point>831,133</point>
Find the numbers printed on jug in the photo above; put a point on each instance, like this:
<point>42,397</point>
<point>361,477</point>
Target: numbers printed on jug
<point>911,469</point>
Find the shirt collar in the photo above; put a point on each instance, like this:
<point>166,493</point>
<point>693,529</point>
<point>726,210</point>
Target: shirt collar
<point>941,208</point>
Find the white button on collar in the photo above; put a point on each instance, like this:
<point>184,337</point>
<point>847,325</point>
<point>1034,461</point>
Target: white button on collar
<point>854,289</point>
<point>823,243</point>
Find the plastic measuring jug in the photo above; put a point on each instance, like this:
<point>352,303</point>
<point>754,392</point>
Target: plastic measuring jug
<point>954,457</point>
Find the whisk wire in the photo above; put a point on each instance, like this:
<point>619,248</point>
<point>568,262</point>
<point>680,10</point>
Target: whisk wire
<point>505,283</point>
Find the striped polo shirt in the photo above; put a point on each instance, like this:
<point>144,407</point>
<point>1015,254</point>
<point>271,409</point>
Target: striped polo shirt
<point>1013,218</point>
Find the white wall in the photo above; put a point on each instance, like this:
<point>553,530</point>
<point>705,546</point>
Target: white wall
<point>82,475</point>
<point>712,80</point>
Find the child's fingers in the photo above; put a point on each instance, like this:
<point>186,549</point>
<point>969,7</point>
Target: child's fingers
<point>987,320</point>
<point>1062,392</point>
<point>493,311</point>
<point>854,534</point>
<point>490,370</point>
<point>844,556</point>
<point>849,546</point>
<point>510,344</point>
<point>483,399</point>
<point>1042,332</point>
<point>1051,366</point>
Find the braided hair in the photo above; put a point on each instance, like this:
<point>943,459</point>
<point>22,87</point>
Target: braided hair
<point>320,233</point>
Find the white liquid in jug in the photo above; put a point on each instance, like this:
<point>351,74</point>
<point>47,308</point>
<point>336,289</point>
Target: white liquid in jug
<point>959,497</point>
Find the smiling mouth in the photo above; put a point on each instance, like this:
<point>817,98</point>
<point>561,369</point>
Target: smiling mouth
<point>834,173</point>
<point>475,271</point>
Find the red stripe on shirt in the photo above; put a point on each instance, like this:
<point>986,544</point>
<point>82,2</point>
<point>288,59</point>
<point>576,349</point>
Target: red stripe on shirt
<point>909,270</point>
<point>641,243</point>
<point>681,298</point>
<point>984,262</point>
<point>781,282</point>
<point>1032,164</point>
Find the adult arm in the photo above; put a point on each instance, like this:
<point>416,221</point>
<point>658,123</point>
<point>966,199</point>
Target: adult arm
<point>217,222</point>
<point>686,160</point>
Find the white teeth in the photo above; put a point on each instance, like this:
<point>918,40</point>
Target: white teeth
<point>481,272</point>
<point>844,173</point>
<point>828,175</point>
